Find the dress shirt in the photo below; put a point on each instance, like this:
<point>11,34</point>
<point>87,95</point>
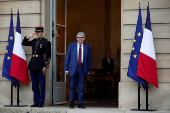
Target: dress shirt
<point>108,59</point>
<point>78,45</point>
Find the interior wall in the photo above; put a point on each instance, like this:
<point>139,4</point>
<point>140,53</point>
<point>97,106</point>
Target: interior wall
<point>87,16</point>
<point>100,21</point>
<point>115,34</point>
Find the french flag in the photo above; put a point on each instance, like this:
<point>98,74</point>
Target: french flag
<point>18,62</point>
<point>146,68</point>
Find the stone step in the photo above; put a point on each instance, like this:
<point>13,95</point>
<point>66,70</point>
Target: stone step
<point>58,109</point>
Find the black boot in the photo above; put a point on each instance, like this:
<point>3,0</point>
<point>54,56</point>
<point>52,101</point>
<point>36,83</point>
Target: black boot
<point>72,104</point>
<point>34,105</point>
<point>81,106</point>
<point>40,105</point>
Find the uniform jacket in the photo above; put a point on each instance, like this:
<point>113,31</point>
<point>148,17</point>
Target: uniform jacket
<point>71,61</point>
<point>42,49</point>
<point>106,66</point>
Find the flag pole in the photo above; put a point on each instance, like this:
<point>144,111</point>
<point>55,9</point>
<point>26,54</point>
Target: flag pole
<point>147,99</point>
<point>11,93</point>
<point>11,85</point>
<point>18,86</point>
<point>139,96</point>
<point>138,92</point>
<point>11,88</point>
<point>147,92</point>
<point>17,97</point>
<point>138,99</point>
<point>147,88</point>
<point>139,88</point>
<point>147,96</point>
<point>18,93</point>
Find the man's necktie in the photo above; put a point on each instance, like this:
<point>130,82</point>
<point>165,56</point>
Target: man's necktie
<point>79,61</point>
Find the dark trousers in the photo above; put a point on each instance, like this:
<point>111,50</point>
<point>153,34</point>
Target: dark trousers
<point>107,88</point>
<point>78,77</point>
<point>38,79</point>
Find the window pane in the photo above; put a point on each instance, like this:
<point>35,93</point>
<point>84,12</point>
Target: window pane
<point>60,12</point>
<point>60,39</point>
<point>60,68</point>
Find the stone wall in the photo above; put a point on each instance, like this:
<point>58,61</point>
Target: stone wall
<point>32,14</point>
<point>160,14</point>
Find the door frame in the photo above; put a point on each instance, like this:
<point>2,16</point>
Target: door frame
<point>53,39</point>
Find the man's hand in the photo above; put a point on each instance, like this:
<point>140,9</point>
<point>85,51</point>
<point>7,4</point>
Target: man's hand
<point>44,70</point>
<point>66,72</point>
<point>31,35</point>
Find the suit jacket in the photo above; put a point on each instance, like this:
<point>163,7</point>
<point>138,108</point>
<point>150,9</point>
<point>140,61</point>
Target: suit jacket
<point>41,47</point>
<point>71,61</point>
<point>106,66</point>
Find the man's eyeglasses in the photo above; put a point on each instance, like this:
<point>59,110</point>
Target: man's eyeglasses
<point>80,37</point>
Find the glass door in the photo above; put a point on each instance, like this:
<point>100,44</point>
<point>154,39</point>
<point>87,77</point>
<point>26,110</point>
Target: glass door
<point>58,51</point>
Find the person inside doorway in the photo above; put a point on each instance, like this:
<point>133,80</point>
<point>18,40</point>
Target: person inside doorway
<point>107,67</point>
<point>78,67</point>
<point>108,64</point>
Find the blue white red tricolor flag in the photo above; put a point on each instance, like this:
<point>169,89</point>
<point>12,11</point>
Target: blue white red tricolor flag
<point>147,60</point>
<point>18,63</point>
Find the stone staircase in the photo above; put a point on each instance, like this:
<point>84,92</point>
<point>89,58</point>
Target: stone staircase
<point>61,109</point>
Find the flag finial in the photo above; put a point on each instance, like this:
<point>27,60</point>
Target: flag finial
<point>11,10</point>
<point>148,3</point>
<point>139,4</point>
<point>18,9</point>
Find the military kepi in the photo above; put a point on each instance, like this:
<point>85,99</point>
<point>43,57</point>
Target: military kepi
<point>39,29</point>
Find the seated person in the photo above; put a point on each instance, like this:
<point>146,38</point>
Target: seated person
<point>108,64</point>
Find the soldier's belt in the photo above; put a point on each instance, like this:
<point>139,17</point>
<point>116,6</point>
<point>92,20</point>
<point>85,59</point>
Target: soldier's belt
<point>35,55</point>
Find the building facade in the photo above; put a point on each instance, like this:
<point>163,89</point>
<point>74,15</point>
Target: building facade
<point>159,12</point>
<point>109,25</point>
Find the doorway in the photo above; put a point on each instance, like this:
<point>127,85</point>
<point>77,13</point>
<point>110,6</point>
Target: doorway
<point>101,23</point>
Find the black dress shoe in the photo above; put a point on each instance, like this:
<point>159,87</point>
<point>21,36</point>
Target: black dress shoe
<point>34,105</point>
<point>71,105</point>
<point>81,106</point>
<point>40,105</point>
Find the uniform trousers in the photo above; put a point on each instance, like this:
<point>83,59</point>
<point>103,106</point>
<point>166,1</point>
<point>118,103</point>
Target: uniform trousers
<point>77,78</point>
<point>38,80</point>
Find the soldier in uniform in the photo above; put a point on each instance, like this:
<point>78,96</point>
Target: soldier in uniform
<point>41,54</point>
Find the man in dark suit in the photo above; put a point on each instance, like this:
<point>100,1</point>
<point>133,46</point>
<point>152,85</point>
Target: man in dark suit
<point>108,64</point>
<point>107,67</point>
<point>78,66</point>
<point>41,54</point>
